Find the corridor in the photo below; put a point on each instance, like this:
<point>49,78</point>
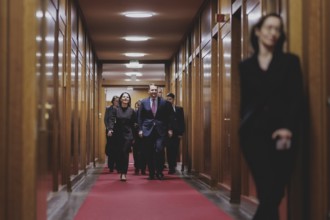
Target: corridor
<point>64,62</point>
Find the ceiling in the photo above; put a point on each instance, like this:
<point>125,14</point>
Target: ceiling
<point>107,26</point>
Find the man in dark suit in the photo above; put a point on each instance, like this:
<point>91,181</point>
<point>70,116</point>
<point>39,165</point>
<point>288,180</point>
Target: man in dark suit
<point>172,147</point>
<point>155,124</point>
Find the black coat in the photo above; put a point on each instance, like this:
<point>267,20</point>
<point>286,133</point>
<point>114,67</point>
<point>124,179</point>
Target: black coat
<point>122,123</point>
<point>178,121</point>
<point>270,99</point>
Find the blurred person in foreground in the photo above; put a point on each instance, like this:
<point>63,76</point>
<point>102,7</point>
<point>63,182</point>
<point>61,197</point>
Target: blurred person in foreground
<point>271,102</point>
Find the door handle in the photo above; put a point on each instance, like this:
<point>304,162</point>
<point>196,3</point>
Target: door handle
<point>329,101</point>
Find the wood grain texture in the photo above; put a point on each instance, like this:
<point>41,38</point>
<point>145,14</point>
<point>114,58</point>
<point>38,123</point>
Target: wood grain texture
<point>314,62</point>
<point>3,102</point>
<point>21,82</point>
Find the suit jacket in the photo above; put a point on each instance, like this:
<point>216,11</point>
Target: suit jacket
<point>178,121</point>
<point>162,121</point>
<point>270,99</point>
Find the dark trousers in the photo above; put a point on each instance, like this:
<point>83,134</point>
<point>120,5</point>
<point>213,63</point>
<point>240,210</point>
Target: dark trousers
<point>153,149</point>
<point>124,147</point>
<point>139,158</point>
<point>271,171</point>
<point>172,150</point>
<point>111,152</point>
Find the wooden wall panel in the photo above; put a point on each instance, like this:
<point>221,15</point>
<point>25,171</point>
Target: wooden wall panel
<point>316,78</point>
<point>206,104</point>
<point>20,175</point>
<point>74,109</point>
<point>55,156</point>
<point>215,113</point>
<point>92,110</point>
<point>326,58</point>
<point>189,118</point>
<point>3,102</point>
<point>37,104</point>
<point>196,100</point>
<point>99,120</point>
<point>83,119</point>
<point>196,112</point>
<point>236,54</point>
<point>102,106</point>
<point>61,101</point>
<point>225,117</point>
<point>68,104</point>
<point>293,13</point>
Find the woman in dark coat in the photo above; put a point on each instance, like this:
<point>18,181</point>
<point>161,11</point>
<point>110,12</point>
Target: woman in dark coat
<point>271,95</point>
<point>124,117</point>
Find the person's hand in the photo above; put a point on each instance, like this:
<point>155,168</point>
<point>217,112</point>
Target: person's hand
<point>283,137</point>
<point>110,133</point>
<point>170,133</point>
<point>141,134</point>
<point>282,133</point>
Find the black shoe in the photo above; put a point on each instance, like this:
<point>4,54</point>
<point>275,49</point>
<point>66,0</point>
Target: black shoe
<point>160,176</point>
<point>110,170</point>
<point>143,172</point>
<point>136,171</point>
<point>151,178</point>
<point>171,172</point>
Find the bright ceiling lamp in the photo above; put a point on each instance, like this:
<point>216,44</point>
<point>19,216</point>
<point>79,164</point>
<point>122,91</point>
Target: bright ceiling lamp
<point>135,54</point>
<point>134,65</point>
<point>136,38</point>
<point>138,14</point>
<point>133,74</point>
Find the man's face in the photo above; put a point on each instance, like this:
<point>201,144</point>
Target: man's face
<point>153,90</point>
<point>137,105</point>
<point>170,99</point>
<point>160,92</point>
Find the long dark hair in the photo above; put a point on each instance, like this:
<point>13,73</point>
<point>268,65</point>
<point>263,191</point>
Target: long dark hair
<point>255,40</point>
<point>129,103</point>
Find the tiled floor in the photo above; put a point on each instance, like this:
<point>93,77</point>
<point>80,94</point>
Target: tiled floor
<point>63,205</point>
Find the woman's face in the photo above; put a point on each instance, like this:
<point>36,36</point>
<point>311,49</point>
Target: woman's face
<point>270,32</point>
<point>125,99</point>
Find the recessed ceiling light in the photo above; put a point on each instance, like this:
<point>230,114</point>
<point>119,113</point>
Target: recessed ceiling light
<point>134,64</point>
<point>138,14</point>
<point>135,54</point>
<point>136,38</point>
<point>133,74</point>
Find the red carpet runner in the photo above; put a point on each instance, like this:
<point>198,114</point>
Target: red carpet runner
<point>142,199</point>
